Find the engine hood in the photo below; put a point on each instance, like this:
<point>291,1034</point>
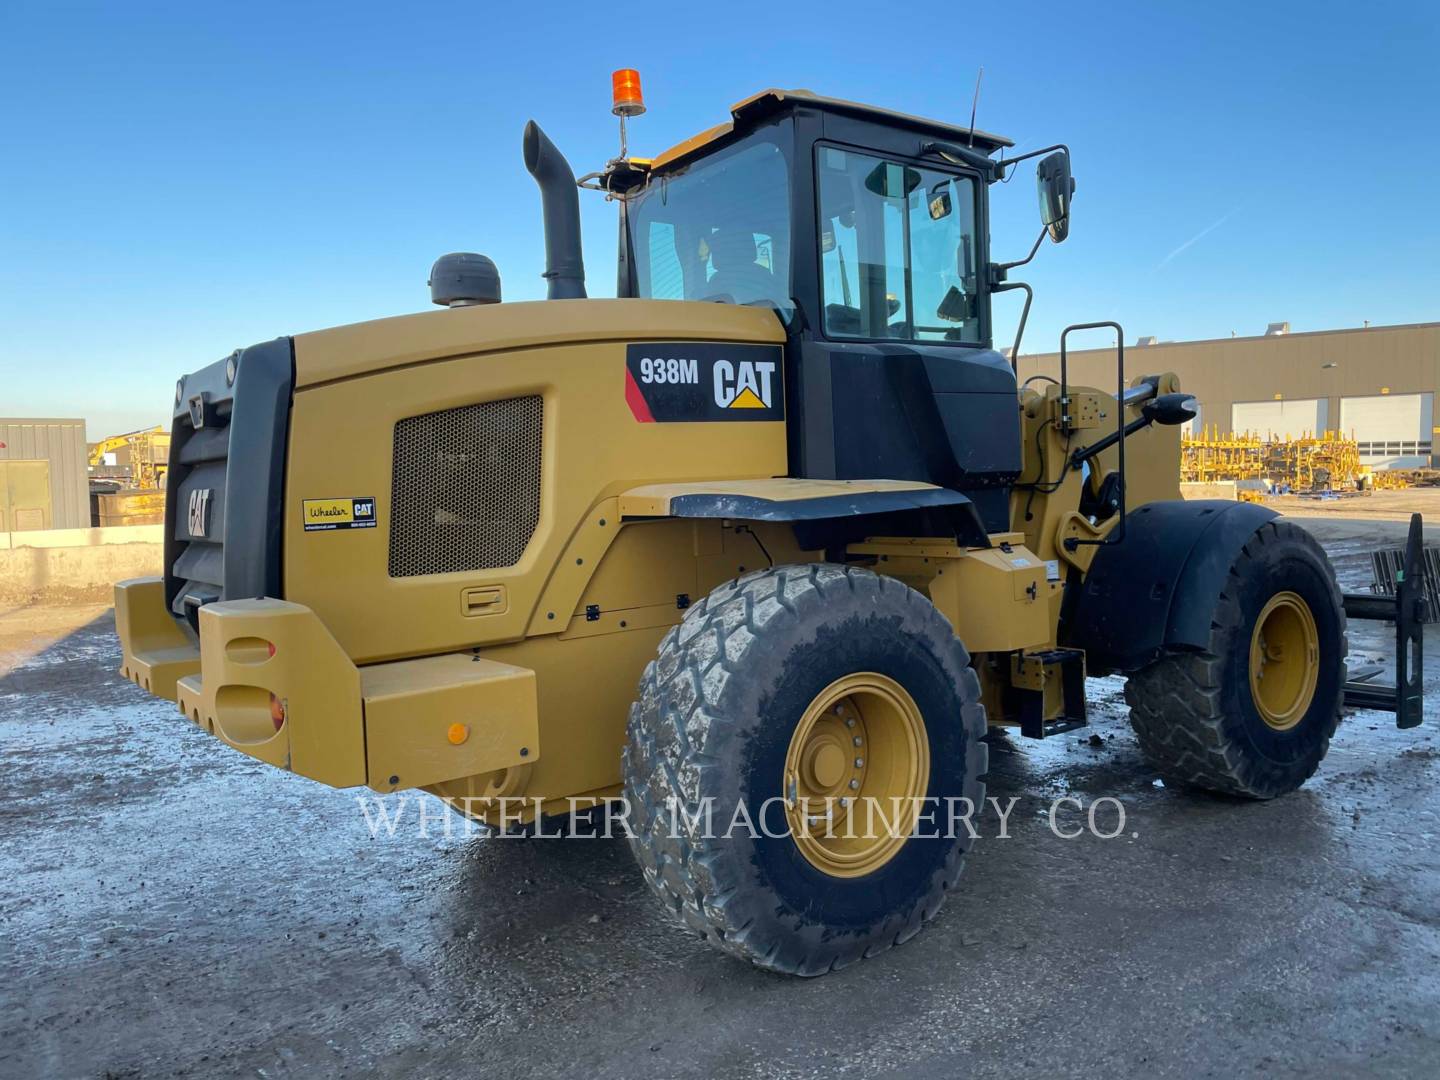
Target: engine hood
<point>345,352</point>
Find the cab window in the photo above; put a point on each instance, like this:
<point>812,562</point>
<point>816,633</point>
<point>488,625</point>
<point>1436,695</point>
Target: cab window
<point>718,231</point>
<point>897,250</point>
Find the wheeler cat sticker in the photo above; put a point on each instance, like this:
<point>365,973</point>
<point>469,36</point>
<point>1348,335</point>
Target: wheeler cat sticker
<point>690,381</point>
<point>326,515</point>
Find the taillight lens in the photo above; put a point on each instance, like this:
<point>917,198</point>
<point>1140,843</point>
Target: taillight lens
<point>277,711</point>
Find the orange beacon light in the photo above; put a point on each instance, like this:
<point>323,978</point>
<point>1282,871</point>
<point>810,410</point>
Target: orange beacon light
<point>625,87</point>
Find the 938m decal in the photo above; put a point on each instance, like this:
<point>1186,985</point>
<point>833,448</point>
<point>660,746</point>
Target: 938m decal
<point>689,381</point>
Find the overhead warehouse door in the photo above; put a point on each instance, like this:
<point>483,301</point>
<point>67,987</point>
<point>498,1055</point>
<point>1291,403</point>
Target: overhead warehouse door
<point>1194,424</point>
<point>1279,418</point>
<point>1393,430</point>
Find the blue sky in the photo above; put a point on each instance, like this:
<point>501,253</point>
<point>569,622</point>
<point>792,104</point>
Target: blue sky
<point>182,179</point>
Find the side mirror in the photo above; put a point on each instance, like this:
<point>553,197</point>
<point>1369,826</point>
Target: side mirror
<point>1055,186</point>
<point>1170,409</point>
<point>940,203</point>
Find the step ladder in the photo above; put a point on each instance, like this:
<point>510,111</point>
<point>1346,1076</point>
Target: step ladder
<point>1029,675</point>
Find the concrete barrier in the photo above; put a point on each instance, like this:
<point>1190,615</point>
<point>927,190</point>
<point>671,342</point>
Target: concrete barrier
<point>1219,489</point>
<point>76,564</point>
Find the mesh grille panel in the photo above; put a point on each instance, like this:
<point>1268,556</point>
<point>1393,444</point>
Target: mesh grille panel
<point>466,494</point>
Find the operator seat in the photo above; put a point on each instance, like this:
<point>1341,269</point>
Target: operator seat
<point>739,279</point>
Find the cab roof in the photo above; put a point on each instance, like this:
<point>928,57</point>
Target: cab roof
<point>748,113</point>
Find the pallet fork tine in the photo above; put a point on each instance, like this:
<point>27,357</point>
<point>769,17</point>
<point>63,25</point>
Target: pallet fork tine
<point>1407,607</point>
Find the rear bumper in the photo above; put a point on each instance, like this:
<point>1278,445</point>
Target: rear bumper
<point>410,723</point>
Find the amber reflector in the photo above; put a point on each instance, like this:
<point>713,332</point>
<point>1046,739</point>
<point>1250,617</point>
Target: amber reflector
<point>625,87</point>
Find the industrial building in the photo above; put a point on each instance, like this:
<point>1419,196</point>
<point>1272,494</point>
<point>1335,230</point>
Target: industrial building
<point>44,482</point>
<point>1376,384</point>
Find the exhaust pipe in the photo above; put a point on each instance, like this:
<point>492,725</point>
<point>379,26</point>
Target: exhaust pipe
<point>560,203</point>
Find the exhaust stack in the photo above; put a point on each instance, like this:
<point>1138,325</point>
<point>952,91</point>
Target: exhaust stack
<point>560,203</point>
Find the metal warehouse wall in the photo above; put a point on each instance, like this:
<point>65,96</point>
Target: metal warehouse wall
<point>1374,360</point>
<point>62,443</point>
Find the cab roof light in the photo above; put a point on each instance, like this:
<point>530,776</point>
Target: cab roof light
<point>626,95</point>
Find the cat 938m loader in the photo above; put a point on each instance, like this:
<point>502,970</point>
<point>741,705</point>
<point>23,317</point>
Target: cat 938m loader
<point>770,538</point>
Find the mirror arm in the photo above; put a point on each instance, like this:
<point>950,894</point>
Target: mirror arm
<point>1006,286</point>
<point>1004,161</point>
<point>1003,267</point>
<point>963,155</point>
<point>994,170</point>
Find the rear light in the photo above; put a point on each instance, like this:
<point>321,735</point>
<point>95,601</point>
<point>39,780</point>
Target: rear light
<point>277,709</point>
<point>270,645</point>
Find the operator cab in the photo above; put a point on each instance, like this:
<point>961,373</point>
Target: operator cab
<point>871,246</point>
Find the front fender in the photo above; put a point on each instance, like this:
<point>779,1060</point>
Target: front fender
<point>1157,588</point>
<point>800,502</point>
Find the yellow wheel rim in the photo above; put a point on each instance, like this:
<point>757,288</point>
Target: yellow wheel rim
<point>856,774</point>
<point>1284,661</point>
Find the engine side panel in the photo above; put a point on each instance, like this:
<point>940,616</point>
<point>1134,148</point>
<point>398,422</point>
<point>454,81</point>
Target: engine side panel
<point>592,447</point>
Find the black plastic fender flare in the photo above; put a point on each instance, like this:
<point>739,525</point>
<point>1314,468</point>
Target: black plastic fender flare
<point>816,517</point>
<point>1157,588</point>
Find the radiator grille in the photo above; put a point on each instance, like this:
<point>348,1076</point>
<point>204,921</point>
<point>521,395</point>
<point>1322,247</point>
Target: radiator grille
<point>466,494</point>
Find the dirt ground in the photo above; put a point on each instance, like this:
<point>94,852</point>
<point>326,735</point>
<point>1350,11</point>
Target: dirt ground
<point>169,907</point>
<point>1369,506</point>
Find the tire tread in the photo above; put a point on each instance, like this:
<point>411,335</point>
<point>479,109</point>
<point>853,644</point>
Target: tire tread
<point>677,730</point>
<point>1175,702</point>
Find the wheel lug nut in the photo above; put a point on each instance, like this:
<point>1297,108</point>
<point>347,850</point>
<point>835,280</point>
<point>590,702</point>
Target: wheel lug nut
<point>849,721</point>
<point>859,763</point>
<point>854,786</point>
<point>857,740</point>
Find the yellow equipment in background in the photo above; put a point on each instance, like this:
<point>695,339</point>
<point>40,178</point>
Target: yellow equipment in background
<point>1392,479</point>
<point>1325,462</point>
<point>127,478</point>
<point>141,457</point>
<point>1210,457</point>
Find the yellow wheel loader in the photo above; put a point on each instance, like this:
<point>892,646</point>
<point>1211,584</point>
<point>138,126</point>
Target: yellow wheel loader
<point>769,539</point>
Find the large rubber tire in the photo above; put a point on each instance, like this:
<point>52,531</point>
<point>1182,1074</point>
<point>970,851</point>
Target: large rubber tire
<point>1194,713</point>
<point>715,715</point>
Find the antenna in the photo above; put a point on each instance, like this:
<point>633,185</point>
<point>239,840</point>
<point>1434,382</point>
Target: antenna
<point>975,103</point>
